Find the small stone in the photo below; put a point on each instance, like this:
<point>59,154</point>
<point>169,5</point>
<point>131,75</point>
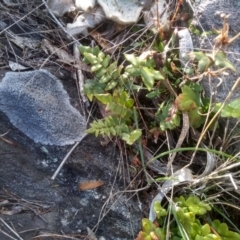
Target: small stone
<point>123,11</point>
<point>86,6</point>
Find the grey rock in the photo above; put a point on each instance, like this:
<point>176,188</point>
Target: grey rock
<point>108,210</point>
<point>209,11</point>
<point>85,21</point>
<point>37,104</point>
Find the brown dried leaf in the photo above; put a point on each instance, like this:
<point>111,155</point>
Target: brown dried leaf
<point>83,186</point>
<point>102,41</point>
<point>8,141</point>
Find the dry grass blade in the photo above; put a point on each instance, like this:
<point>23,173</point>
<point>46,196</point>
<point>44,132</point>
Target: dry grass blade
<point>58,236</point>
<point>9,228</point>
<point>181,139</point>
<point>67,156</point>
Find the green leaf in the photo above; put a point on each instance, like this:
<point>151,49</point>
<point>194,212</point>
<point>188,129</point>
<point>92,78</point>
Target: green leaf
<point>133,71</point>
<point>157,75</point>
<point>197,206</point>
<point>204,64</point>
<point>106,61</point>
<point>147,225</point>
<point>231,109</point>
<point>96,67</point>
<point>101,56</point>
<point>195,117</point>
<point>95,51</point>
<point>197,56</point>
<point>132,137</point>
<point>160,233</point>
<point>91,58</point>
<point>222,61</point>
<point>116,73</point>
<point>105,79</point>
<point>101,72</point>
<point>111,85</point>
<point>104,98</point>
<point>153,94</point>
<point>147,78</point>
<point>191,91</point>
<point>112,67</point>
<point>222,229</point>
<point>84,49</point>
<point>132,59</point>
<point>92,87</point>
<point>205,229</point>
<point>185,103</point>
<point>160,211</point>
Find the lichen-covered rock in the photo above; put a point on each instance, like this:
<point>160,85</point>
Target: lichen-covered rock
<point>37,104</point>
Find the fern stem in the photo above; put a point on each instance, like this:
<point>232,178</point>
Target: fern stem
<point>140,147</point>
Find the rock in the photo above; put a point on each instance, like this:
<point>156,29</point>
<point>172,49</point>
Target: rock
<point>208,12</point>
<point>208,17</point>
<point>86,5</point>
<point>159,11</point>
<point>85,21</point>
<point>59,206</point>
<point>122,11</point>
<point>60,7</point>
<point>37,104</point>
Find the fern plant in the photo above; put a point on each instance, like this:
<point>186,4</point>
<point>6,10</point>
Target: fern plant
<point>112,86</point>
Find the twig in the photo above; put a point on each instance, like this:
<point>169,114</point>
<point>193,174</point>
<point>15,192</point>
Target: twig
<point>10,229</point>
<point>181,139</point>
<point>67,156</point>
<point>80,75</point>
<point>5,133</point>
<point>55,236</point>
<point>7,235</point>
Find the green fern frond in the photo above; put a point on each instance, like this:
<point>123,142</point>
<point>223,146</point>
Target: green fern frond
<point>119,103</point>
<point>109,126</point>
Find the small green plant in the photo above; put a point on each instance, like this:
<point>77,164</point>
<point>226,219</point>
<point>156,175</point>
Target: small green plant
<point>117,87</point>
<point>189,220</point>
<point>159,78</point>
<point>113,87</point>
